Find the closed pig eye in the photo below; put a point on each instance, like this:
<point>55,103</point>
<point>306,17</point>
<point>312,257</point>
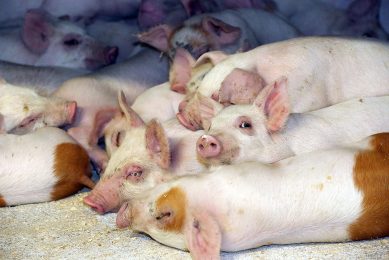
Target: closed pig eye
<point>163,215</point>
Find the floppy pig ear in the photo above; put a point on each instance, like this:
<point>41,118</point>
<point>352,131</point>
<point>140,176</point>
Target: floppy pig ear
<point>158,37</point>
<point>213,57</point>
<point>240,87</point>
<point>208,108</point>
<point>132,117</point>
<point>157,144</point>
<point>203,237</point>
<point>222,32</point>
<point>36,31</point>
<point>180,71</point>
<point>274,101</point>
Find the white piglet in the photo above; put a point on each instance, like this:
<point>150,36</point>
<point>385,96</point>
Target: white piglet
<point>321,71</point>
<point>265,131</point>
<point>23,110</point>
<point>324,196</point>
<point>41,166</point>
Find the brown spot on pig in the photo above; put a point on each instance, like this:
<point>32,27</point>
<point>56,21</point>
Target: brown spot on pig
<point>2,202</point>
<point>371,176</point>
<point>72,169</point>
<point>171,208</point>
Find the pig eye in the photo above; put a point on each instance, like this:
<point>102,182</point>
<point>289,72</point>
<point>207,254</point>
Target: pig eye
<point>72,42</point>
<point>135,173</point>
<point>27,122</point>
<point>163,215</point>
<point>117,138</point>
<point>245,124</point>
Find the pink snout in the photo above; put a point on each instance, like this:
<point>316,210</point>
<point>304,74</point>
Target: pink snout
<point>99,204</point>
<point>71,109</point>
<point>208,146</point>
<point>110,54</point>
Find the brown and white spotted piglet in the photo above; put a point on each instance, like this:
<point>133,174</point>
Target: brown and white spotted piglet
<point>44,165</point>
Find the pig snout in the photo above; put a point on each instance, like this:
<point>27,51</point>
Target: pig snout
<point>208,146</point>
<point>71,109</point>
<point>99,203</point>
<point>122,218</point>
<point>110,54</point>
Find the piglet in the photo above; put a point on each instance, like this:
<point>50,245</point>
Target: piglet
<point>143,156</point>
<point>265,131</point>
<point>321,71</point>
<point>47,41</point>
<point>324,196</point>
<point>41,166</point>
<point>229,31</point>
<point>96,96</point>
<point>23,110</point>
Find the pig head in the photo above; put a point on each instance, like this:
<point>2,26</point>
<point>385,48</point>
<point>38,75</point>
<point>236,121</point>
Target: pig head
<point>166,212</point>
<point>242,132</point>
<point>238,87</point>
<point>62,43</point>
<point>23,110</point>
<point>202,33</point>
<point>139,163</point>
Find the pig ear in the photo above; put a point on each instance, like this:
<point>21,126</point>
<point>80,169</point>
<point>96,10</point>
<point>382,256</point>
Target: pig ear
<point>132,117</point>
<point>213,57</point>
<point>240,87</point>
<point>222,32</point>
<point>158,37</point>
<point>180,71</point>
<point>274,102</point>
<point>157,144</point>
<point>203,236</point>
<point>208,108</point>
<point>36,31</point>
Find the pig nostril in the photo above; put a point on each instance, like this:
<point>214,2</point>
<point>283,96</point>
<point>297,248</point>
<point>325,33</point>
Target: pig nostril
<point>213,145</point>
<point>201,147</point>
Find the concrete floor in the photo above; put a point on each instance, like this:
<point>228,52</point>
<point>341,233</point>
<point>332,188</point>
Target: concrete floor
<point>67,229</point>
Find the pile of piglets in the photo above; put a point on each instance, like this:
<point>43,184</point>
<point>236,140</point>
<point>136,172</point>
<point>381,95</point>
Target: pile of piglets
<point>213,125</point>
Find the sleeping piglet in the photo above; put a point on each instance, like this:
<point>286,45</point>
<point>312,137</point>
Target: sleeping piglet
<point>41,166</point>
<point>143,155</point>
<point>324,196</point>
<point>23,110</point>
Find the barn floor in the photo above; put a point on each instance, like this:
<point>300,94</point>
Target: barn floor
<point>67,229</point>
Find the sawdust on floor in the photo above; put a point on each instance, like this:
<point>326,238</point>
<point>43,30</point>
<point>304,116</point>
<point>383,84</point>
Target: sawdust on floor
<point>67,229</point>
